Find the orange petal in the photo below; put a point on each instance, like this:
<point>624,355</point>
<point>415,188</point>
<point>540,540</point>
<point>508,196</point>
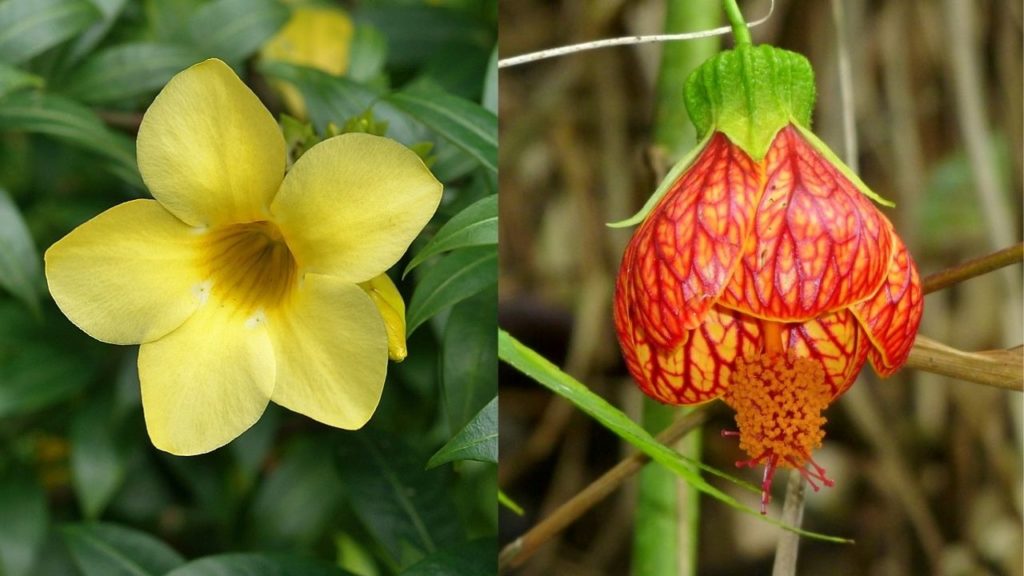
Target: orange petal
<point>682,256</point>
<point>891,316</point>
<point>818,244</point>
<point>837,341</point>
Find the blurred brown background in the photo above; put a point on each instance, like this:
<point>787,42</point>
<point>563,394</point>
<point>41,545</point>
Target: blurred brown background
<point>928,469</point>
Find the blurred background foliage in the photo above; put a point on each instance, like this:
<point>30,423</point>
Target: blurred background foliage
<point>928,469</point>
<point>82,491</point>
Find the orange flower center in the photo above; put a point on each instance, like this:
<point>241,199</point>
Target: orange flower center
<point>778,402</point>
<point>250,265</point>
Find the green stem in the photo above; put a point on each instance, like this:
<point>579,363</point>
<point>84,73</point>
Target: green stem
<point>739,25</point>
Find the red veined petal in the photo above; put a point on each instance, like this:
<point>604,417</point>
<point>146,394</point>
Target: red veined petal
<point>892,315</point>
<point>818,244</point>
<point>682,256</point>
<point>837,341</point>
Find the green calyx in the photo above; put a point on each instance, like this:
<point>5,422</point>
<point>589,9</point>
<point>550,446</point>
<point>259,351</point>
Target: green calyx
<point>749,94</point>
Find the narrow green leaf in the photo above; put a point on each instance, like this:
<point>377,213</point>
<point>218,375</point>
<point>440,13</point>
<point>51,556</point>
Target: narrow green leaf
<point>406,508</point>
<point>234,29</point>
<point>469,357</point>
<point>456,277</point>
<point>86,41</point>
<point>29,27</point>
<point>471,127</point>
<point>73,123</point>
<point>509,503</point>
<point>522,358</point>
<point>19,260</point>
<point>13,79</point>
<point>127,71</point>
<point>24,524</point>
<point>477,225</point>
<point>477,441</point>
<point>417,31</point>
<point>112,550</point>
<point>490,98</point>
<point>256,565</point>
<point>478,557</point>
<point>98,455</point>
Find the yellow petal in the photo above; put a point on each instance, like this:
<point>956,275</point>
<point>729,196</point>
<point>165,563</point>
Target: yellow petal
<point>315,37</point>
<point>352,204</point>
<point>206,382</point>
<point>209,151</point>
<point>331,351</point>
<point>389,303</point>
<point>128,275</point>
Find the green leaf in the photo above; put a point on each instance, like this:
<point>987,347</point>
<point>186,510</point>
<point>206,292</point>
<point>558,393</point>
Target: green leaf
<point>86,41</point>
<point>509,503</point>
<point>477,441</point>
<point>234,29</point>
<point>24,524</point>
<point>471,127</point>
<point>368,54</point>
<point>303,480</point>
<point>490,98</point>
<point>469,356</point>
<point>19,260</point>
<point>13,79</point>
<point>99,455</point>
<point>126,71</point>
<point>112,550</point>
<point>477,225</point>
<point>328,98</point>
<point>522,358</point>
<point>30,27</point>
<point>416,32</point>
<point>406,508</point>
<point>256,565</point>
<point>73,123</point>
<point>456,277</point>
<point>477,557</point>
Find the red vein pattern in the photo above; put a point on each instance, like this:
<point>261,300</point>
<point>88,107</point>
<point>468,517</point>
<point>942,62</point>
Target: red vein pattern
<point>891,317</point>
<point>837,341</point>
<point>682,256</point>
<point>818,244</point>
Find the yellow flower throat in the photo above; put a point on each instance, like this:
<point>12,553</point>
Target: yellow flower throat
<point>249,265</point>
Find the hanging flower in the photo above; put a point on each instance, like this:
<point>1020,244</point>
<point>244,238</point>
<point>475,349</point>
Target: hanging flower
<point>241,282</point>
<point>761,272</point>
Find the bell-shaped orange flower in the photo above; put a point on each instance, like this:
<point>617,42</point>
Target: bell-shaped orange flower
<point>763,274</point>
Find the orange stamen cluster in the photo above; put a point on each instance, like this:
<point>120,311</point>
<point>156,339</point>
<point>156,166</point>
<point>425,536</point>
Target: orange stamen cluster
<point>778,402</point>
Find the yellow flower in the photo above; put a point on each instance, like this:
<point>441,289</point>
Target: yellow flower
<point>316,37</point>
<point>241,282</point>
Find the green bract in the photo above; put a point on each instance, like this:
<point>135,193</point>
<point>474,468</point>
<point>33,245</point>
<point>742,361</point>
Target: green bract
<point>749,94</point>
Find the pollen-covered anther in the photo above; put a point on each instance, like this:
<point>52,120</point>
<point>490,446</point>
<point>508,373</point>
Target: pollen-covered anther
<point>250,265</point>
<point>778,402</point>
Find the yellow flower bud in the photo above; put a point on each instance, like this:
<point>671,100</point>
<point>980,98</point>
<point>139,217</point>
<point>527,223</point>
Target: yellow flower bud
<point>392,309</point>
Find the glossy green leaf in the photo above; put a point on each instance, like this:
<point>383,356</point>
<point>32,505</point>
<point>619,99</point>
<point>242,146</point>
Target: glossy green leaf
<point>23,525</point>
<point>304,479</point>
<point>477,225</point>
<point>73,123</point>
<point>112,550</point>
<point>467,125</point>
<point>406,508</point>
<point>368,54</point>
<point>470,357</point>
<point>13,79</point>
<point>20,270</point>
<point>99,455</point>
<point>477,441</point>
<point>235,29</point>
<point>127,71</point>
<point>30,27</point>
<point>551,377</point>
<point>478,557</point>
<point>256,565</point>
<point>456,277</point>
<point>490,98</point>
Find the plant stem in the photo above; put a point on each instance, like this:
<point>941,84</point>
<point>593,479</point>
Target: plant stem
<point>792,513</point>
<point>983,265</point>
<point>739,25</point>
